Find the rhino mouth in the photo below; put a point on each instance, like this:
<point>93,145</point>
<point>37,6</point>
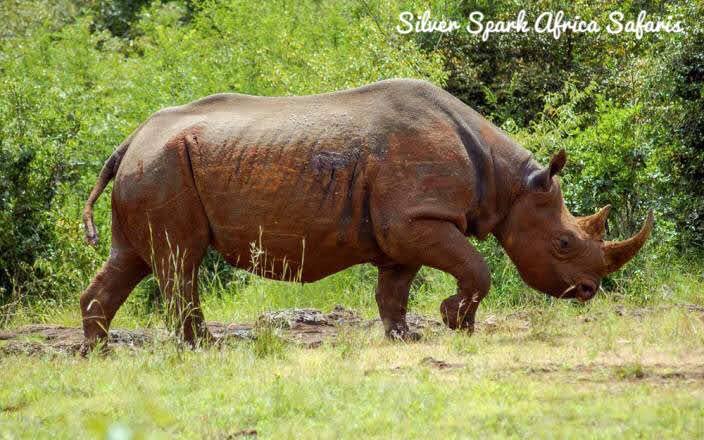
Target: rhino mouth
<point>583,291</point>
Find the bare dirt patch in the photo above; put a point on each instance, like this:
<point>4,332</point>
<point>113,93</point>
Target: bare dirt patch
<point>427,362</point>
<point>620,372</point>
<point>304,327</point>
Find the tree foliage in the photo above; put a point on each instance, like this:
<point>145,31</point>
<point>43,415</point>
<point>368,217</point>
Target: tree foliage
<point>77,76</point>
<point>629,112</point>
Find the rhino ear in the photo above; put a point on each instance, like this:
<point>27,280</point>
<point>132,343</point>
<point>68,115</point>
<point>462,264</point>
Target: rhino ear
<point>542,180</point>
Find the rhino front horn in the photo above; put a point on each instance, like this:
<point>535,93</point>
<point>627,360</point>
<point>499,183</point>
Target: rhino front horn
<point>618,253</point>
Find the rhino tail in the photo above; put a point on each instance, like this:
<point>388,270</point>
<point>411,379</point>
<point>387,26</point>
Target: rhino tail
<point>106,175</point>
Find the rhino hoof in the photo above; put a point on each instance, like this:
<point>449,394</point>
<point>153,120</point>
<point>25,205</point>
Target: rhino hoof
<point>403,335</point>
<point>99,347</point>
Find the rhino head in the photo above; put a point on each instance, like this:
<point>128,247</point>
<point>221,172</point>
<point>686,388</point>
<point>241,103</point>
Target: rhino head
<point>555,252</point>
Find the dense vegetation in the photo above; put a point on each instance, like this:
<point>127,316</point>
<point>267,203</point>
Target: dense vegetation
<point>77,76</point>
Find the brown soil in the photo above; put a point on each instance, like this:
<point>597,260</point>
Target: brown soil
<point>619,372</point>
<point>305,327</point>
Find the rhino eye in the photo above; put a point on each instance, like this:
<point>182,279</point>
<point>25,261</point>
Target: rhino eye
<point>564,242</point>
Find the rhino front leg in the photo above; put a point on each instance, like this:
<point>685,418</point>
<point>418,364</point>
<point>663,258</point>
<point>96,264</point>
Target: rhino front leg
<point>392,298</point>
<point>473,281</point>
<point>441,245</point>
<point>459,311</point>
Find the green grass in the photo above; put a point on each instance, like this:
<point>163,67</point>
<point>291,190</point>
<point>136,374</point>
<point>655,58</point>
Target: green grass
<point>627,364</point>
<point>546,370</point>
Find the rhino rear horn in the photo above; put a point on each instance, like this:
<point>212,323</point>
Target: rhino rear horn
<point>595,225</point>
<point>542,180</point>
<point>618,253</point>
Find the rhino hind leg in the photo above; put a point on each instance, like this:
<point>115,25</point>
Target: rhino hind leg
<point>392,299</point>
<point>441,245</point>
<point>177,275</point>
<point>179,236</point>
<point>107,292</point>
<point>165,222</point>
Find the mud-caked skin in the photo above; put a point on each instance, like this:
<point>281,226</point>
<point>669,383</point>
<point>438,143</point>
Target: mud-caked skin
<point>398,174</point>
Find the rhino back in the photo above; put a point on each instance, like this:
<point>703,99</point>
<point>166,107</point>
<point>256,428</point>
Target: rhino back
<point>280,171</point>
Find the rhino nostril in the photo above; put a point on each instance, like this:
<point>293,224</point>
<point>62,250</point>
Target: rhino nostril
<point>587,290</point>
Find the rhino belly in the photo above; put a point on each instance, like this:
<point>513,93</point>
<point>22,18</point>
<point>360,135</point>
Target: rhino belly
<point>284,211</point>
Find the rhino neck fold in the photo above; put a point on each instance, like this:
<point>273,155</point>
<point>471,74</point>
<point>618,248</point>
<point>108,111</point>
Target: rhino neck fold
<point>517,173</point>
<point>502,176</point>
